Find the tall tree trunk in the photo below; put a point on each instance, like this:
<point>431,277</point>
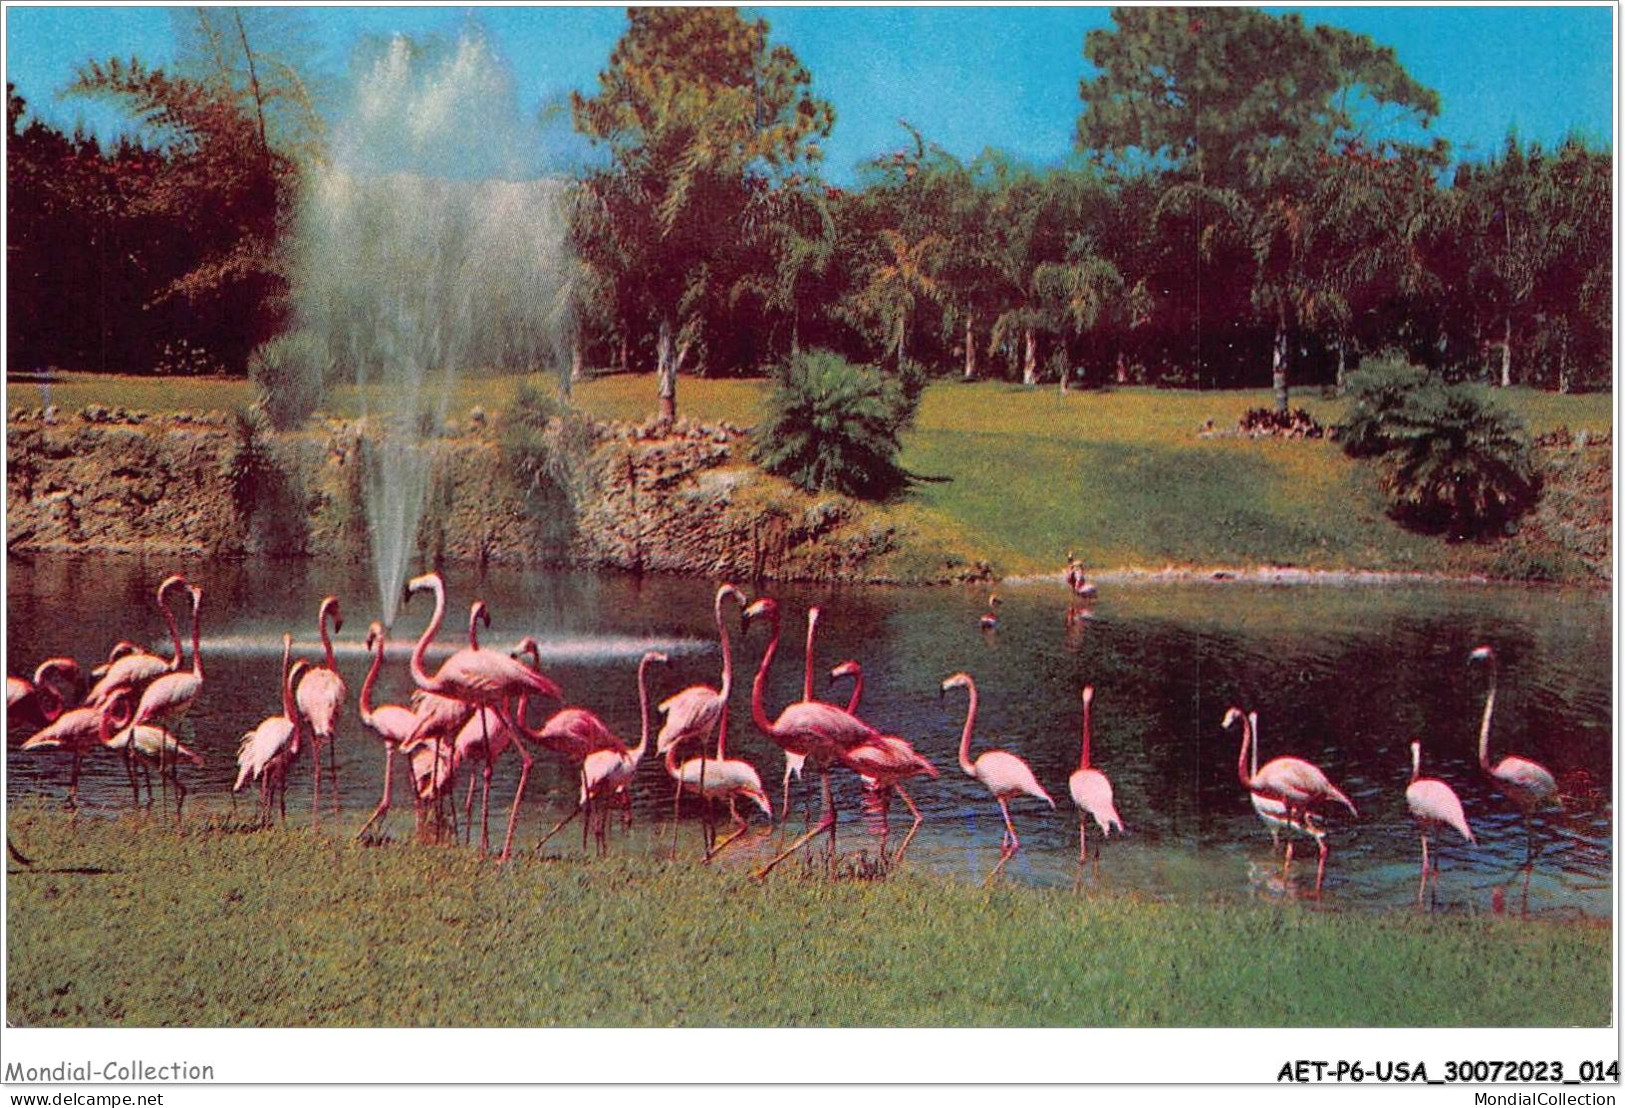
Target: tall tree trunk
<point>1029,357</point>
<point>1278,366</point>
<point>577,360</point>
<point>970,350</point>
<point>1122,369</point>
<point>902,335</point>
<point>666,372</point>
<point>1342,367</point>
<point>625,354</point>
<point>795,333</point>
<point>1506,354</point>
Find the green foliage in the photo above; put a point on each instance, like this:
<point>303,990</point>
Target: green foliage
<point>1457,464</point>
<point>833,426</point>
<point>544,449</point>
<point>290,374</point>
<point>1377,394</point>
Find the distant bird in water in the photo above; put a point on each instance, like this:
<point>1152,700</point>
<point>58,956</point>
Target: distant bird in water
<point>1075,579</point>
<point>1300,785</point>
<point>1527,784</point>
<point>1091,792</point>
<point>1005,775</point>
<point>990,618</point>
<point>1273,812</point>
<point>1433,805</point>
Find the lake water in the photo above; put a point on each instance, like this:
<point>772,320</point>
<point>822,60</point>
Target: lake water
<point>1342,675</point>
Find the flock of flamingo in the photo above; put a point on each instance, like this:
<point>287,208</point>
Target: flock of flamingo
<point>475,707</point>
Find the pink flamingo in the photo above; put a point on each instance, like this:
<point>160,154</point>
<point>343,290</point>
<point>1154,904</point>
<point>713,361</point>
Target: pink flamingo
<point>1005,775</point>
<point>1273,812</point>
<point>481,678</point>
<point>169,696</point>
<point>606,773</point>
<point>41,700</point>
<point>1433,805</point>
<point>794,763</point>
<point>321,701</point>
<point>1527,784</point>
<point>990,618</point>
<point>1302,786</point>
<point>694,712</point>
<point>392,723</point>
<point>150,745</point>
<point>883,764</point>
<point>266,753</point>
<point>135,668</point>
<point>819,732</point>
<point>81,730</point>
<point>1091,792</point>
<point>1075,579</point>
<point>719,778</point>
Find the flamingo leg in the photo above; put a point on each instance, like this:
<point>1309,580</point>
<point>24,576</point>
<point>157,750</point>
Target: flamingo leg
<point>1010,845</point>
<point>519,790</point>
<point>333,769</point>
<point>316,783</point>
<point>741,825</point>
<point>829,810</point>
<point>676,806</point>
<point>1420,889</point>
<point>918,819</point>
<point>559,826</point>
<point>1320,868</point>
<point>1083,850</point>
<point>383,804</point>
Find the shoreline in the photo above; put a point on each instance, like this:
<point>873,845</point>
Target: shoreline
<point>1275,575</point>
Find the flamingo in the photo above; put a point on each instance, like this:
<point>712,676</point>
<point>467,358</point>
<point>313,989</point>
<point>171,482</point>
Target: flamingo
<point>321,702</point>
<point>265,753</point>
<point>1075,579</point>
<point>720,778</point>
<point>1527,784</point>
<point>79,731</point>
<point>811,728</point>
<point>40,700</point>
<point>129,666</point>
<point>392,723</point>
<point>605,773</point>
<point>1301,786</point>
<point>1091,792</point>
<point>1433,805</point>
<point>1273,812</point>
<point>694,712</point>
<point>883,764</point>
<point>990,618</point>
<point>169,696</point>
<point>150,745</point>
<point>794,763</point>
<point>1005,775</point>
<point>481,678</point>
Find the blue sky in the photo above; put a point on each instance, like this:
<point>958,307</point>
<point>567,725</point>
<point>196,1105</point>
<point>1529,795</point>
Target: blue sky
<point>968,77</point>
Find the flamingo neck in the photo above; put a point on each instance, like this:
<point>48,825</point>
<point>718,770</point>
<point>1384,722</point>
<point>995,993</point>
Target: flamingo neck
<point>1252,721</point>
<point>420,676</point>
<point>287,687</point>
<point>812,629</point>
<point>758,689</point>
<point>727,649</point>
<point>1083,760</point>
<point>174,631</point>
<point>1241,759</point>
<point>197,635</point>
<point>857,693</point>
<point>1484,727</point>
<point>369,681</point>
<point>643,709</point>
<point>964,739</point>
<point>722,733</point>
<point>327,643</point>
<point>1416,761</point>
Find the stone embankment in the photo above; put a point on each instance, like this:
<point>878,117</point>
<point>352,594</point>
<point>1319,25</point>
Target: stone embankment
<point>680,499</point>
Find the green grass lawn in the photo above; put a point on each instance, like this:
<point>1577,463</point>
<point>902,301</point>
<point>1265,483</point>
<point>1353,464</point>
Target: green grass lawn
<point>1121,477</point>
<point>127,922</point>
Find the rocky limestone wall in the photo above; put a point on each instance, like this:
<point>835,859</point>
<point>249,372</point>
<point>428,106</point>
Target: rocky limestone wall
<point>630,496</point>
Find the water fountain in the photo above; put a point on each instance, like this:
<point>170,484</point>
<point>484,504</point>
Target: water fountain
<point>430,245</point>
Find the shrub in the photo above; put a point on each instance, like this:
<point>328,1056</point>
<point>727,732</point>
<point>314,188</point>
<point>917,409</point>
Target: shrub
<point>1457,464</point>
<point>834,426</point>
<point>1376,396</point>
<point>290,372</point>
<point>545,448</point>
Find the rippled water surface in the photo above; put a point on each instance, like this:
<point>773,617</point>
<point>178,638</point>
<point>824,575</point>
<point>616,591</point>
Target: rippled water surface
<point>1343,676</point>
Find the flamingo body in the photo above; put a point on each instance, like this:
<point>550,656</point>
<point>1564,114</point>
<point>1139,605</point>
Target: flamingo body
<point>1092,793</point>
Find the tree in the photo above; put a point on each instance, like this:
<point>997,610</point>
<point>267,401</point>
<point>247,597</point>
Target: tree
<point>1230,108</point>
<point>900,283</point>
<point>701,118</point>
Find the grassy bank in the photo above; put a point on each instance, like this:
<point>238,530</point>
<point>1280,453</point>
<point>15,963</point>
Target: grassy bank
<point>128,923</point>
<point>1122,478</point>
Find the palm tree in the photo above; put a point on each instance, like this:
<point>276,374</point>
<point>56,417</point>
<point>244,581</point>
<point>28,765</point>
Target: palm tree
<point>896,287</point>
